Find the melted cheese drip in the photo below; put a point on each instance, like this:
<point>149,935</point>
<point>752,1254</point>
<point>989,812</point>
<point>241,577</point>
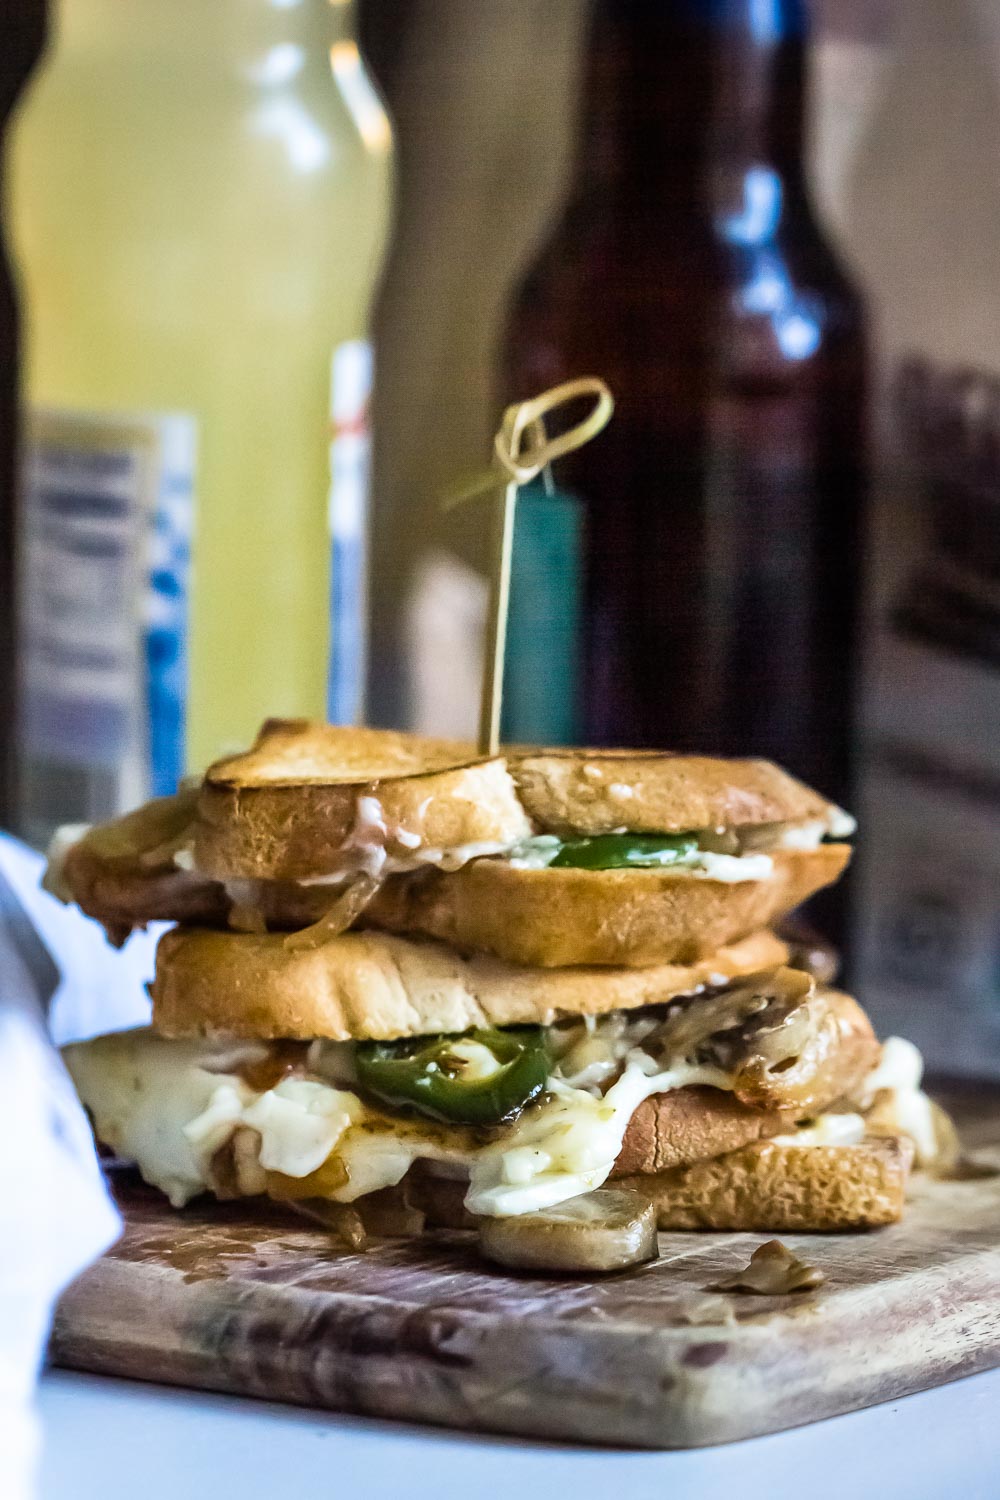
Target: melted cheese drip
<point>900,1071</point>
<point>845,1129</point>
<point>729,868</point>
<point>169,1107</point>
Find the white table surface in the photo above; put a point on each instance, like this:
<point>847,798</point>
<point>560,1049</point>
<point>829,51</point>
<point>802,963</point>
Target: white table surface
<point>116,1440</point>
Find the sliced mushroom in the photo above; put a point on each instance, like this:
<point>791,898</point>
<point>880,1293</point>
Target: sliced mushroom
<point>727,1027</point>
<point>804,1055</point>
<point>716,1021</point>
<point>606,1230</point>
<point>774,1271</point>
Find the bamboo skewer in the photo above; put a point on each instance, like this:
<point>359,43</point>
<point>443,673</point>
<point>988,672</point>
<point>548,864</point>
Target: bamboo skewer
<point>522,450</point>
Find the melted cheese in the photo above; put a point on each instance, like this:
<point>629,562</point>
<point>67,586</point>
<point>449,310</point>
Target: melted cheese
<point>840,824</point>
<point>729,868</point>
<point>845,1129</point>
<point>571,1144</point>
<point>479,1063</point>
<point>364,852</point>
<point>142,1092</point>
<point>375,861</point>
<point>900,1071</point>
<point>169,1107</point>
<point>538,854</point>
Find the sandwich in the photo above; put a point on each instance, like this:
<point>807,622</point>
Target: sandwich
<point>548,859</point>
<point>538,995</point>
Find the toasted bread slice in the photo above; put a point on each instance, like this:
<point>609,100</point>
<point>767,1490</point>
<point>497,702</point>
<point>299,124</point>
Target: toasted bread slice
<point>372,984</point>
<point>125,874</point>
<point>695,1124</point>
<point>305,752</point>
<point>554,917</point>
<point>285,810</point>
<point>605,791</point>
<point>775,1188</point>
<point>137,869</point>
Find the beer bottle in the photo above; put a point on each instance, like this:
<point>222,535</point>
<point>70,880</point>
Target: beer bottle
<point>722,506</point>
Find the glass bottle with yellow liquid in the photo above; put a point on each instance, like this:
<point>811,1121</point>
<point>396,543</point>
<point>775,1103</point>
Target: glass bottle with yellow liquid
<point>200,198</point>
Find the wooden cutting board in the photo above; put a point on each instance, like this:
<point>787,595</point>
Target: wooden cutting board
<point>243,1298</point>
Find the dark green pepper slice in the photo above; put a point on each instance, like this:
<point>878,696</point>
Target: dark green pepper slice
<point>625,851</point>
<point>426,1074</point>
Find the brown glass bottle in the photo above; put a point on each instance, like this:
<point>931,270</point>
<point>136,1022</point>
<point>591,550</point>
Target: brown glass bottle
<point>22,28</point>
<point>723,504</point>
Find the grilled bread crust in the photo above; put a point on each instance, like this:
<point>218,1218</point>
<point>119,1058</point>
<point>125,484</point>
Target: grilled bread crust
<point>773,1188</point>
<point>604,791</point>
<point>693,1124</point>
<point>285,810</point>
<point>375,985</point>
<point>554,917</point>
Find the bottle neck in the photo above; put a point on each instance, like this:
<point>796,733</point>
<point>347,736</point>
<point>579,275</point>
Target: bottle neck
<point>222,34</point>
<point>22,34</point>
<point>686,96</point>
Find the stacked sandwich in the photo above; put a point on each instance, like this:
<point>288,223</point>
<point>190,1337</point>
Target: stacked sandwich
<point>482,989</point>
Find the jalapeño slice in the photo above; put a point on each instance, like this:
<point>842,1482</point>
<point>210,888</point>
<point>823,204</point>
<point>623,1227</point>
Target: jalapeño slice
<point>625,851</point>
<point>478,1078</point>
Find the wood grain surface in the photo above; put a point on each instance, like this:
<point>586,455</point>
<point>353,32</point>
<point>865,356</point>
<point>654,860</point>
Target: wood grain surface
<point>243,1298</point>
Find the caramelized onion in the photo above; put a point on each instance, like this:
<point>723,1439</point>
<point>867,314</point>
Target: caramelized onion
<point>389,1213</point>
<point>326,1179</point>
<point>344,912</point>
<point>341,1219</point>
<point>726,1027</point>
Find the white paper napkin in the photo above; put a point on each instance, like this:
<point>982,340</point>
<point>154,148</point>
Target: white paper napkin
<point>55,1213</point>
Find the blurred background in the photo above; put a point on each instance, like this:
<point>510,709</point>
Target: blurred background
<point>275,267</point>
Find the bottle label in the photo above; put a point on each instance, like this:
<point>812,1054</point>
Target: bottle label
<point>107,523</point>
<point>544,637</point>
<point>350,465</point>
<point>445,621</point>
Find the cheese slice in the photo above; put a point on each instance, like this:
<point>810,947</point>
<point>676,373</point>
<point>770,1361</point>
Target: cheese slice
<point>169,1106</point>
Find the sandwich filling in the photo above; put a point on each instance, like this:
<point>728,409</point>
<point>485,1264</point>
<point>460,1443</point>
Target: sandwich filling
<point>145,865</point>
<point>374,853</point>
<point>376,849</point>
<point>342,1120</point>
